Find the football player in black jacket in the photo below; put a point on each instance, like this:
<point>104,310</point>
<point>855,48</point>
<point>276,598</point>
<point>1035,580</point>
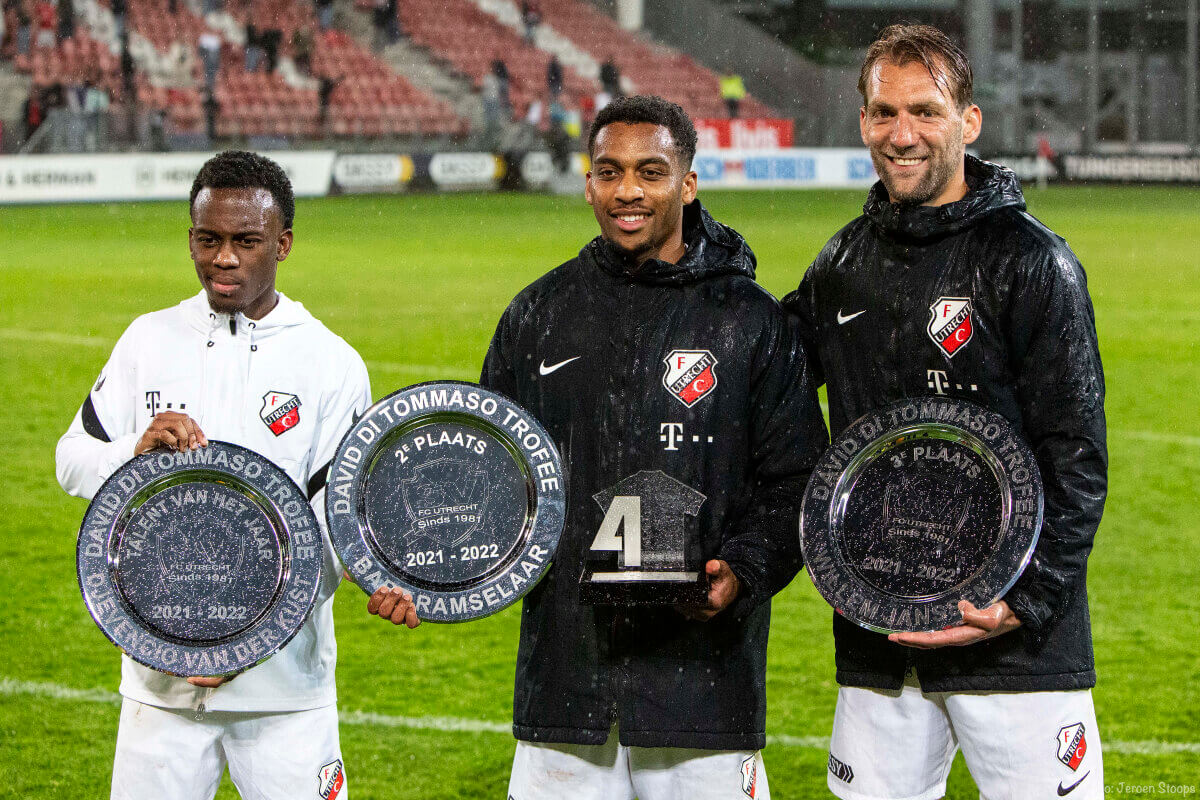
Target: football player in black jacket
<point>947,286</point>
<point>654,356</point>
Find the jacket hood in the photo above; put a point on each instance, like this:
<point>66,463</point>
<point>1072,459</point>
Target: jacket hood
<point>286,314</point>
<point>713,250</point>
<point>990,188</point>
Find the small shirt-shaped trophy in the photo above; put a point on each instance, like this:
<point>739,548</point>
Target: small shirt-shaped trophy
<point>643,552</point>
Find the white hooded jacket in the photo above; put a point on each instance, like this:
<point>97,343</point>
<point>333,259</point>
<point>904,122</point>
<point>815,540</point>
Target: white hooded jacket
<point>227,372</point>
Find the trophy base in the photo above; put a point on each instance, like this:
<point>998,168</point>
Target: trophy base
<point>644,587</point>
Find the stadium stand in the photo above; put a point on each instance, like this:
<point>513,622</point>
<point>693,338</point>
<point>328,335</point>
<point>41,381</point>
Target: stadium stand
<point>469,40</point>
<point>469,34</point>
<point>651,68</point>
<point>367,98</point>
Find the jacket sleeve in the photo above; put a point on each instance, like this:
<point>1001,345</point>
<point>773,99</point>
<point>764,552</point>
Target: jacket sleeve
<point>104,432</point>
<point>352,396</point>
<point>1060,387</point>
<point>802,304</point>
<point>497,373</point>
<point>787,435</point>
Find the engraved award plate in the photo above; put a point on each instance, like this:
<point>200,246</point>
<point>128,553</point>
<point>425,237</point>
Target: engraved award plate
<point>200,563</point>
<point>642,554</point>
<point>450,491</point>
<point>919,505</point>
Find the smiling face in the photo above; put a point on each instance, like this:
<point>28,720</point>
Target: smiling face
<point>916,134</point>
<point>637,189</point>
<point>237,240</point>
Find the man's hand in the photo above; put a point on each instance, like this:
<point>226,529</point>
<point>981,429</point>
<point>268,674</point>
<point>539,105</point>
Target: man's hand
<point>723,588</point>
<point>395,604</point>
<point>211,683</point>
<point>174,431</point>
<point>977,625</point>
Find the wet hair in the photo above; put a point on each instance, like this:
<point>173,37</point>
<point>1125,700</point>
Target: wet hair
<point>902,44</point>
<point>656,111</point>
<point>238,169</point>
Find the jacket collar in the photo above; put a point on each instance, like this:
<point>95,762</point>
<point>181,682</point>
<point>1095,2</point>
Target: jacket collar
<point>713,249</point>
<point>990,188</point>
<point>285,314</point>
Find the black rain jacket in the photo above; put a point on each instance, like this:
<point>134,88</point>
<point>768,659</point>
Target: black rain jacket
<point>1032,357</point>
<point>748,446</point>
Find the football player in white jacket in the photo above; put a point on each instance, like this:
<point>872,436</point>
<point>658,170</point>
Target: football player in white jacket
<point>241,363</point>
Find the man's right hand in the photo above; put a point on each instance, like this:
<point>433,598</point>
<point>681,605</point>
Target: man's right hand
<point>172,430</point>
<point>394,604</point>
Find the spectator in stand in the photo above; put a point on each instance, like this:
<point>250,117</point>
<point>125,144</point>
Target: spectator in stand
<point>557,138</point>
<point>46,17</point>
<point>119,7</point>
<point>210,56</point>
<point>500,70</point>
<point>95,105</point>
<point>254,52</point>
<point>733,91</point>
<point>212,108</point>
<point>271,39</point>
<point>387,23</point>
<point>324,14</point>
<point>554,77</point>
<point>128,70</point>
<point>24,28</point>
<point>533,114</point>
<point>531,17</point>
<point>610,80</point>
<point>325,88</point>
<point>66,19</point>
<point>489,91</point>
<point>302,49</point>
<point>158,130</point>
<point>34,112</point>
<point>602,99</point>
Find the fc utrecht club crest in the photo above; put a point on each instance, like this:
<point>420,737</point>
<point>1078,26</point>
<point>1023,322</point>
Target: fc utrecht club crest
<point>1072,745</point>
<point>690,375</point>
<point>950,324</point>
<point>330,780</point>
<point>750,776</point>
<point>281,411</point>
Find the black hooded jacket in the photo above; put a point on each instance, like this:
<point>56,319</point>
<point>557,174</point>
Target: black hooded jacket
<point>585,349</point>
<point>873,307</point>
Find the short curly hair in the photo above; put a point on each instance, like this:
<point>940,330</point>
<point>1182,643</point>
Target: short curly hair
<point>239,169</point>
<point>656,111</point>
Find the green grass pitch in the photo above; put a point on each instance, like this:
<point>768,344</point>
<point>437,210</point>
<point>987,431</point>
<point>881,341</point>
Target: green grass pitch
<point>416,284</point>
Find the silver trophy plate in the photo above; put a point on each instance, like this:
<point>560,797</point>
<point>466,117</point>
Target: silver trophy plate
<point>451,492</point>
<point>919,505</point>
<point>200,563</point>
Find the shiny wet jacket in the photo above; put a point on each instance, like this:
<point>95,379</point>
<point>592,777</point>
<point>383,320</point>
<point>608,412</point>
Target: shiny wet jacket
<point>587,349</point>
<point>975,300</point>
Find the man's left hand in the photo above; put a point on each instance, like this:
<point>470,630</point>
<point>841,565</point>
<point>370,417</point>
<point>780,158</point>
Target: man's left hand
<point>723,588</point>
<point>977,625</point>
<point>210,682</point>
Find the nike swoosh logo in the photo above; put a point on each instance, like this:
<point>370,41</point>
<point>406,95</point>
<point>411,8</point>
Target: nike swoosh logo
<point>544,370</point>
<point>844,318</point>
<point>1064,792</point>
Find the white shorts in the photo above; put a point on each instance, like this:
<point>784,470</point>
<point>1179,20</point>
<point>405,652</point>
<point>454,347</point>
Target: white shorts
<point>1017,745</point>
<point>168,753</point>
<point>612,771</point>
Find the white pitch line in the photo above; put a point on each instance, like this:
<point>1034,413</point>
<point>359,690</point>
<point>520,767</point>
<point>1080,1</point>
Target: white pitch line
<point>54,691</point>
<point>1156,436</point>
